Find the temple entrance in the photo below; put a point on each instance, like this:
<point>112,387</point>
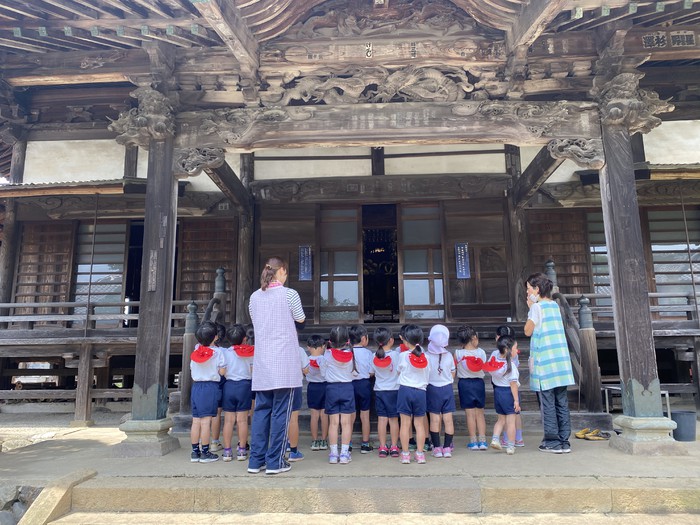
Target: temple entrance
<point>380,263</point>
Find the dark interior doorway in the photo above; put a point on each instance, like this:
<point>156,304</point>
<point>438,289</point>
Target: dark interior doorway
<point>380,263</point>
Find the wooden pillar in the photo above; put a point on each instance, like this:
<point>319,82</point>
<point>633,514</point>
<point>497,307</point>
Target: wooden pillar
<point>518,259</point>
<point>83,394</point>
<point>639,376</point>
<point>244,287</point>
<point>590,370</point>
<point>147,431</point>
<point>10,244</point>
<point>246,249</point>
<point>150,400</point>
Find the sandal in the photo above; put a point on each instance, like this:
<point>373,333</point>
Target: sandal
<point>598,436</point>
<point>581,434</point>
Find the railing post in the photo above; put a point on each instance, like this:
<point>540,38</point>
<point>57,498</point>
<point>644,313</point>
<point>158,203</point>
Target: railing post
<point>220,294</point>
<point>590,370</point>
<point>188,342</point>
<point>83,394</point>
<point>551,274</point>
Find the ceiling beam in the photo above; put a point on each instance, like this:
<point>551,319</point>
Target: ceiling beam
<point>228,23</point>
<point>532,22</point>
<point>534,176</point>
<point>232,187</point>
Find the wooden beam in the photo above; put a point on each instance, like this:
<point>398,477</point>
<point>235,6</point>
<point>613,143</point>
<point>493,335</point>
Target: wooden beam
<point>479,122</point>
<point>533,20</point>
<point>232,187</point>
<point>534,176</point>
<point>228,23</point>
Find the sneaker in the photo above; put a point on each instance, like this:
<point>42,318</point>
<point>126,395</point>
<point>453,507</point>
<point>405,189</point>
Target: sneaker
<point>247,446</point>
<point>565,449</point>
<point>394,452</point>
<point>383,452</point>
<point>473,446</point>
<point>405,457</point>
<point>496,443</point>
<point>295,456</point>
<point>289,447</point>
<point>208,457</point>
<point>428,447</point>
<point>510,451</point>
<point>483,445</point>
<point>316,444</point>
<point>333,458</point>
<point>284,468</point>
<point>447,452</point>
<point>437,452</point>
<point>519,443</point>
<point>552,450</point>
<point>256,470</point>
<point>241,454</point>
<point>350,447</point>
<point>194,458</point>
<point>228,455</point>
<point>412,444</point>
<point>366,448</point>
<point>215,446</point>
<point>504,443</point>
<point>420,457</point>
<point>323,444</point>
<point>345,458</point>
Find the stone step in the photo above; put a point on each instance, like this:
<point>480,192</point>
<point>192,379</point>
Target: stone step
<point>210,518</point>
<point>420,489</point>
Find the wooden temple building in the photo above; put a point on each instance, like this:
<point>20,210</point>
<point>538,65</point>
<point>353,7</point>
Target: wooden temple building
<point>413,160</point>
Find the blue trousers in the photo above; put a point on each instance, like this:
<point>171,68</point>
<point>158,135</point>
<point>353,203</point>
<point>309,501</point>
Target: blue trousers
<point>268,433</point>
<point>554,407</point>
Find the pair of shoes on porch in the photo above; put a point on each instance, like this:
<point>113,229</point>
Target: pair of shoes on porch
<point>597,435</point>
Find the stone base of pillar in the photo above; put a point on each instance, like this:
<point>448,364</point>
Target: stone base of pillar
<point>647,436</point>
<point>182,424</point>
<point>146,438</point>
<point>79,423</point>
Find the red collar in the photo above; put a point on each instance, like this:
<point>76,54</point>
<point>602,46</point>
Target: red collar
<point>418,361</point>
<point>343,356</point>
<point>475,364</point>
<point>403,347</point>
<point>244,350</point>
<point>313,363</point>
<point>201,354</point>
<point>384,362</point>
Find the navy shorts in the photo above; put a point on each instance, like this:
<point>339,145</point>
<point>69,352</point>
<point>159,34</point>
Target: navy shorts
<point>411,401</point>
<point>316,396</point>
<point>503,400</point>
<point>440,399</point>
<point>205,398</point>
<point>472,392</point>
<point>386,402</point>
<point>222,382</point>
<point>363,393</point>
<point>340,398</point>
<point>297,397</point>
<point>238,395</point>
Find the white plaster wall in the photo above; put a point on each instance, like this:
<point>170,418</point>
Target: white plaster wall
<point>73,160</point>
<point>303,169</point>
<point>484,163</point>
<point>676,142</point>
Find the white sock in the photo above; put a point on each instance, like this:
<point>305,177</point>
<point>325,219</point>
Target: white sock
<point>345,449</point>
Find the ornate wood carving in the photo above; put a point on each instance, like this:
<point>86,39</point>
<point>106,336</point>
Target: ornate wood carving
<point>193,160</point>
<point>622,103</point>
<point>410,122</point>
<point>649,193</point>
<point>587,153</point>
<point>377,188</point>
<point>152,119</point>
<point>378,84</point>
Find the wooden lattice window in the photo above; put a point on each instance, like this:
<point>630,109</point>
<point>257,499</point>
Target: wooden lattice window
<point>204,246</point>
<point>561,236</point>
<point>44,268</point>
